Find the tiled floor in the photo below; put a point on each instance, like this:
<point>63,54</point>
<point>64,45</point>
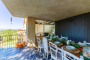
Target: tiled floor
<point>23,53</point>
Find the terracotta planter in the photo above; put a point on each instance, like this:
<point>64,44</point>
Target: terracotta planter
<point>22,44</point>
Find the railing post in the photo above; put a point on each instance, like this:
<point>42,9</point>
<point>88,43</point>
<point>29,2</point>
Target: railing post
<point>11,40</point>
<point>2,43</point>
<point>9,37</point>
<point>7,40</point>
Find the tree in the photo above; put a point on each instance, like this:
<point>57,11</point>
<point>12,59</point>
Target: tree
<point>8,34</point>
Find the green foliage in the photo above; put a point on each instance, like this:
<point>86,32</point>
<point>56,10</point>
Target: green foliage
<point>48,37</point>
<point>8,32</point>
<point>61,40</point>
<point>53,38</point>
<point>57,39</point>
<point>72,43</point>
<point>77,46</point>
<point>10,38</point>
<point>8,35</point>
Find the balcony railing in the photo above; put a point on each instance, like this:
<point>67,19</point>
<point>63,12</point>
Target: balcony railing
<point>10,40</point>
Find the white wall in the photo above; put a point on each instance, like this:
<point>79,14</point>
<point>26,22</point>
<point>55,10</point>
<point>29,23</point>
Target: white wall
<point>38,28</point>
<point>48,28</point>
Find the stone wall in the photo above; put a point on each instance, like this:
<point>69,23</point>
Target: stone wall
<point>21,34</point>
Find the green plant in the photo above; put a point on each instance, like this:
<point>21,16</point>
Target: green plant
<point>48,37</point>
<point>77,46</point>
<point>72,43</point>
<point>60,40</point>
<point>53,38</point>
<point>37,33</point>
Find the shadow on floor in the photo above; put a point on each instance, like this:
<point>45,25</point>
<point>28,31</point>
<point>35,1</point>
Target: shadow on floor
<point>23,53</point>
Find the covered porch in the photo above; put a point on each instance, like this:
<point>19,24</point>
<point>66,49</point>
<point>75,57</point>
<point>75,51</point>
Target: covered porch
<point>71,25</point>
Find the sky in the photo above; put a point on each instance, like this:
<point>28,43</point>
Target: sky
<point>5,18</point>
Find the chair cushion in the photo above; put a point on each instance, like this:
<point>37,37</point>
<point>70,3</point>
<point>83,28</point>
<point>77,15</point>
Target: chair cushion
<point>40,45</point>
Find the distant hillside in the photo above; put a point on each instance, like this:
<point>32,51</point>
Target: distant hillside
<point>2,29</point>
<point>8,32</point>
<point>8,29</point>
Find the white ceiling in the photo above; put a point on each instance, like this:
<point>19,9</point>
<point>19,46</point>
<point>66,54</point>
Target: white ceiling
<point>47,9</point>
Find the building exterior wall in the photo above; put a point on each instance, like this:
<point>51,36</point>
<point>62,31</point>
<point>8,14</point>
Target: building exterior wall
<point>77,28</point>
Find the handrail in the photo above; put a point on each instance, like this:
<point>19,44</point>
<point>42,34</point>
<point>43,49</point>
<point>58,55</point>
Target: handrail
<point>9,40</point>
<point>12,35</point>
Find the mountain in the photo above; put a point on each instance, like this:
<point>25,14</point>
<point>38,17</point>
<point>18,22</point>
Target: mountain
<point>3,29</point>
<point>7,29</point>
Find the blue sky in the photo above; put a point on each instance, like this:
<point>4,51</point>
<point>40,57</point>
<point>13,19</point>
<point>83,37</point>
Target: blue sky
<point>5,17</point>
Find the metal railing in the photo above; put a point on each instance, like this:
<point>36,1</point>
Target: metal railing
<point>10,40</point>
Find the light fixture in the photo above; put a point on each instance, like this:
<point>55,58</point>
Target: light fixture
<point>11,20</point>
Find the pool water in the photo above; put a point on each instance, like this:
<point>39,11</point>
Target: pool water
<point>23,53</point>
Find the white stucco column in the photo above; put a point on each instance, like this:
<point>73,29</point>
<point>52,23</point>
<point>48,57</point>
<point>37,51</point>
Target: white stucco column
<point>30,31</point>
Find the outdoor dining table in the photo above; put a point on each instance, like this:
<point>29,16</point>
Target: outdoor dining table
<point>75,52</point>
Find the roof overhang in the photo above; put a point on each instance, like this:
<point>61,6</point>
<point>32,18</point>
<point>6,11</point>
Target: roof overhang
<point>47,9</point>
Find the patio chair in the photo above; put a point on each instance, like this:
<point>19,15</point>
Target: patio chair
<point>46,47</point>
<point>40,45</point>
<point>86,43</point>
<point>56,36</point>
<point>55,53</point>
<point>64,37</point>
<point>69,56</point>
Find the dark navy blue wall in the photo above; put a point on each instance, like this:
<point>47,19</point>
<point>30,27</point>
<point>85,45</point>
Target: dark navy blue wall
<point>77,28</point>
